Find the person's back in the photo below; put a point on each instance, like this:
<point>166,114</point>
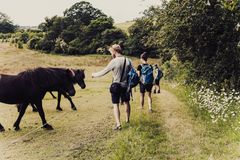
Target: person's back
<point>145,72</point>
<point>120,66</point>
<point>159,75</point>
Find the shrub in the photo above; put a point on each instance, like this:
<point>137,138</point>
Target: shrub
<point>33,42</point>
<point>20,44</point>
<point>24,37</point>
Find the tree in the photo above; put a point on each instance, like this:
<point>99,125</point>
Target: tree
<point>82,30</point>
<point>204,34</point>
<point>141,33</point>
<point>112,36</point>
<point>83,13</point>
<point>6,26</point>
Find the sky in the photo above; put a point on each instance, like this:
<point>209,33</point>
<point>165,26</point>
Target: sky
<point>33,12</point>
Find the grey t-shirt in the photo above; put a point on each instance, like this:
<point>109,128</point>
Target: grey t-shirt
<point>116,65</point>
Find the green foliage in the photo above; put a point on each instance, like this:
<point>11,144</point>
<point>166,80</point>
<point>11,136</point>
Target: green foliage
<point>24,37</point>
<point>6,26</point>
<point>205,35</point>
<point>33,42</point>
<point>174,70</point>
<point>20,44</point>
<point>201,33</point>
<point>231,4</point>
<point>83,30</point>
<point>113,35</point>
<point>83,13</point>
<point>140,33</point>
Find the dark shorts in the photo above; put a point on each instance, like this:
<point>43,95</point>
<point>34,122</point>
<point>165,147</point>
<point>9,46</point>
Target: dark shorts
<point>156,82</point>
<point>121,94</point>
<point>145,88</point>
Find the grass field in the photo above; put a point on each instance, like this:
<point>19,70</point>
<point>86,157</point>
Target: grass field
<point>170,132</point>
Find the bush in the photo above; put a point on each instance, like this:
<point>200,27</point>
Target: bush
<point>24,37</point>
<point>20,44</point>
<point>33,42</point>
<point>45,45</point>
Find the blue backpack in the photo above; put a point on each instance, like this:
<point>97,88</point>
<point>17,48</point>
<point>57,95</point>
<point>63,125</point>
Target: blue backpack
<point>133,78</point>
<point>159,74</point>
<point>147,74</point>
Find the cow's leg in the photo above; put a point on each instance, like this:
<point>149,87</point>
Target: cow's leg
<point>72,104</point>
<point>21,113</point>
<point>42,115</point>
<point>34,108</point>
<point>59,101</point>
<point>1,128</point>
<point>19,107</point>
<point>53,95</point>
<point>70,100</point>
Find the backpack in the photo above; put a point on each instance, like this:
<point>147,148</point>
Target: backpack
<point>159,74</point>
<point>147,74</point>
<point>133,78</point>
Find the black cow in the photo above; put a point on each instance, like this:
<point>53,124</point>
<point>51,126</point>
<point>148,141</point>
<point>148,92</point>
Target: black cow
<point>31,86</point>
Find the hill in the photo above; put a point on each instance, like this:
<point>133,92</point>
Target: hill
<point>124,26</point>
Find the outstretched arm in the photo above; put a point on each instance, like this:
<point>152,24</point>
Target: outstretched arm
<point>101,73</point>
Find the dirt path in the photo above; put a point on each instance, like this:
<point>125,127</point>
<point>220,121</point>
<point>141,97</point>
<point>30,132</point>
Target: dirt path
<point>184,134</point>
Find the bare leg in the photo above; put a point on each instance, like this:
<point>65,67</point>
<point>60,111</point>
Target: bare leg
<point>149,101</point>
<point>155,88</point>
<point>142,100</point>
<point>116,113</point>
<point>159,88</point>
<point>128,111</point>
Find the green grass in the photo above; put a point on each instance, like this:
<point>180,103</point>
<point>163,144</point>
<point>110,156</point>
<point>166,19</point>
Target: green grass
<point>220,140</point>
<point>144,138</point>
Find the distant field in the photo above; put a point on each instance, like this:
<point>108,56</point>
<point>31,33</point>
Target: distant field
<point>124,26</point>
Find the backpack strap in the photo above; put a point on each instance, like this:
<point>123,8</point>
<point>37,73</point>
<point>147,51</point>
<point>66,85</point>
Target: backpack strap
<point>124,65</point>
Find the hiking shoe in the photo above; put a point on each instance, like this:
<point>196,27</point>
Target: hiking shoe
<point>150,110</point>
<point>117,128</point>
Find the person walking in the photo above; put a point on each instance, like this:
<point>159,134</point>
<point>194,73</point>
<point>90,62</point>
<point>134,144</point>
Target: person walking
<point>120,66</point>
<point>159,75</point>
<point>145,72</point>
